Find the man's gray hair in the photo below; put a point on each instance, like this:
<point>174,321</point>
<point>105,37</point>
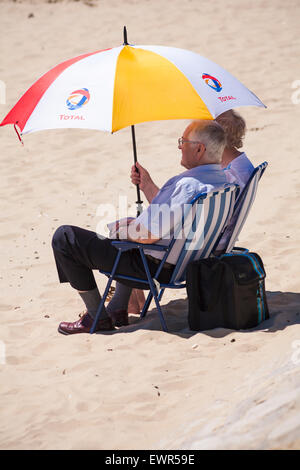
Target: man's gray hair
<point>212,135</point>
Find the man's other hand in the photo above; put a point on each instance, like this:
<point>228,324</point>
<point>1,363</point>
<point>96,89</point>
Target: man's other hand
<point>144,180</point>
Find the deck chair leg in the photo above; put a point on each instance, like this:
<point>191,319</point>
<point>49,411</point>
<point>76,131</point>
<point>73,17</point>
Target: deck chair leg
<point>101,306</point>
<point>153,291</point>
<point>162,320</point>
<point>161,294</point>
<point>146,305</point>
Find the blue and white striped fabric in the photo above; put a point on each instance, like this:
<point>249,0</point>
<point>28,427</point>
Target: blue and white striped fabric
<point>202,225</point>
<point>243,207</point>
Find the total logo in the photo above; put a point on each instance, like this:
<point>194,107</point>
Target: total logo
<point>212,82</point>
<point>78,98</point>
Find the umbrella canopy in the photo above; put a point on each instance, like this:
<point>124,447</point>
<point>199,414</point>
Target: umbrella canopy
<point>115,88</point>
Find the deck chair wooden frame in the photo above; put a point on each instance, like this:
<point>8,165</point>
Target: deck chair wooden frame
<point>203,221</point>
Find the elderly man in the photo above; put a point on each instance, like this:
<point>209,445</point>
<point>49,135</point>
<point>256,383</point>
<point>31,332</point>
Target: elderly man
<point>78,251</point>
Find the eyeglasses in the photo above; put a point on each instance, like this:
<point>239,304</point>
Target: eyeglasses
<point>181,141</point>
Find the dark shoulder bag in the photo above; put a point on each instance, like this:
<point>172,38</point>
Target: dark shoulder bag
<point>227,291</point>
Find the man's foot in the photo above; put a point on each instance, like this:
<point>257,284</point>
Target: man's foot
<point>84,325</point>
<point>119,317</point>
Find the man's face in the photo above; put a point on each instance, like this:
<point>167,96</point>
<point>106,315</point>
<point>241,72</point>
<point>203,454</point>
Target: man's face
<point>189,150</point>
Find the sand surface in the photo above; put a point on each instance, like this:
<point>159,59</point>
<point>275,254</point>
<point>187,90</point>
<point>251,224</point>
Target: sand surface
<point>141,388</point>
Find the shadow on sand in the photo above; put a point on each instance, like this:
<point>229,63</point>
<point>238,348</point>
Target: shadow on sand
<point>284,309</point>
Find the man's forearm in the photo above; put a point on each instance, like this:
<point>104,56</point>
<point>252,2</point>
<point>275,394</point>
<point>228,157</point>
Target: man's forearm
<point>150,191</point>
<point>146,241</point>
<point>146,238</point>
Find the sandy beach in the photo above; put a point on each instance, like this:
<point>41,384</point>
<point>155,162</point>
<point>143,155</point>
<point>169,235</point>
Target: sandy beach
<point>139,387</point>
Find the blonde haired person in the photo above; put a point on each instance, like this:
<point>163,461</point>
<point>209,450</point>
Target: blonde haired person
<point>237,166</point>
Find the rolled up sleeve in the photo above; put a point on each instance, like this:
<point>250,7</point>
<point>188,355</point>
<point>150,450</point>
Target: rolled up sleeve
<point>165,213</point>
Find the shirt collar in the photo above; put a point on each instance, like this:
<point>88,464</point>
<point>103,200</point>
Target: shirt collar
<point>234,160</point>
<point>209,167</point>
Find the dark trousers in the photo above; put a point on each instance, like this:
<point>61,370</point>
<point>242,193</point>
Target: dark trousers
<point>78,252</point>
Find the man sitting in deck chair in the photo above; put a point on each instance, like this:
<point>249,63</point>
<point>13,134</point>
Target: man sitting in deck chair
<point>78,251</point>
<point>238,169</point>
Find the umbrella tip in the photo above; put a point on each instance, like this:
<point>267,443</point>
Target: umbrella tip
<point>125,36</point>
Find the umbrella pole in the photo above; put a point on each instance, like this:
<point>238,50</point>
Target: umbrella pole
<point>139,202</point>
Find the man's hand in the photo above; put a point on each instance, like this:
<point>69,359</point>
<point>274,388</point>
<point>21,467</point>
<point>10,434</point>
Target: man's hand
<point>123,232</point>
<point>115,227</point>
<point>124,222</point>
<point>144,180</point>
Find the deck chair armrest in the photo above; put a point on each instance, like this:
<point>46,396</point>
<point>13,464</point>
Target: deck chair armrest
<point>125,245</point>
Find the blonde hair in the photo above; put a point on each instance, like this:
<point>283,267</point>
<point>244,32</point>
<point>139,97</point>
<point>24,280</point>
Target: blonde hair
<point>234,126</point>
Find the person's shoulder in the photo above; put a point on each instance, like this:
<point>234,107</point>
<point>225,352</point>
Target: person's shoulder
<point>174,181</point>
<point>188,180</point>
<point>242,161</point>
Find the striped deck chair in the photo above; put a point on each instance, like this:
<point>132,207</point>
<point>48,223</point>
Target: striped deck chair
<point>242,208</point>
<point>202,222</point>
